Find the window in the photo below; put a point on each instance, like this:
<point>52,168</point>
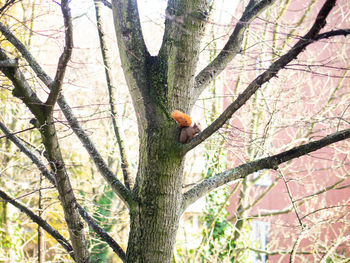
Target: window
<point>263,178</point>
<point>259,238</point>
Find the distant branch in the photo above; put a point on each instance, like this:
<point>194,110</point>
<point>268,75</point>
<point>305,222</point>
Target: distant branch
<point>109,176</point>
<point>289,192</point>
<point>6,5</point>
<point>9,63</point>
<point>56,85</point>
<point>333,248</point>
<point>328,188</point>
<point>88,219</point>
<point>232,47</point>
<point>325,254</point>
<point>300,201</point>
<point>262,195</point>
<point>271,72</point>
<point>105,2</point>
<point>28,129</point>
<point>280,252</point>
<point>301,236</point>
<point>271,162</point>
<point>324,208</point>
<point>42,223</point>
<point>118,131</point>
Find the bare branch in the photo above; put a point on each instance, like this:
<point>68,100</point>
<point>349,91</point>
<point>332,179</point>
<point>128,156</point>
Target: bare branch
<point>322,209</point>
<point>333,186</point>
<point>42,223</point>
<point>275,212</point>
<point>88,219</point>
<point>133,52</point>
<point>109,176</point>
<point>334,246</point>
<point>271,162</point>
<point>105,2</point>
<point>262,195</point>
<point>28,129</point>
<point>300,201</point>
<point>22,89</point>
<point>119,133</point>
<point>32,156</point>
<point>102,233</point>
<point>333,33</point>
<point>9,63</point>
<point>232,47</point>
<point>26,54</point>
<point>271,72</point>
<point>280,252</point>
<point>56,85</point>
<point>300,237</point>
<point>291,198</point>
<point>123,193</point>
<point>7,4</point>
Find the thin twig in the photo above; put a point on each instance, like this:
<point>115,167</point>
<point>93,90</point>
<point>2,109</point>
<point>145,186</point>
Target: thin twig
<point>333,247</point>
<point>91,222</point>
<point>42,223</point>
<point>56,85</point>
<point>300,201</point>
<point>309,38</point>
<point>28,129</point>
<point>270,162</point>
<point>109,176</point>
<point>119,133</point>
<point>291,198</point>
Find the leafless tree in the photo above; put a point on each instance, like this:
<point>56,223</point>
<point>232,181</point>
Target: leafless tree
<point>157,85</point>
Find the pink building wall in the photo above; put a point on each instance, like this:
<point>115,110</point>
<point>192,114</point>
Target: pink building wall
<point>300,93</point>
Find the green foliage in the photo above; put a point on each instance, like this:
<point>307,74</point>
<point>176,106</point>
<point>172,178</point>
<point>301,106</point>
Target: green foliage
<point>102,214</point>
<point>218,231</point>
<point>218,234</point>
<point>11,240</point>
<point>16,239</point>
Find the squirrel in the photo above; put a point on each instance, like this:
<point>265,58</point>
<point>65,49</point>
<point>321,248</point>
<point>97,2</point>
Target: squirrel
<point>188,132</point>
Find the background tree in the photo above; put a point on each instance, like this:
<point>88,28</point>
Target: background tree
<point>157,84</point>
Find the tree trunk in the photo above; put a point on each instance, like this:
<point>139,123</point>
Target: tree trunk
<point>154,220</point>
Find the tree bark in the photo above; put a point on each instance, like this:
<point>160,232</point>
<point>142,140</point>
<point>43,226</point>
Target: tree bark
<point>154,220</point>
<point>158,85</point>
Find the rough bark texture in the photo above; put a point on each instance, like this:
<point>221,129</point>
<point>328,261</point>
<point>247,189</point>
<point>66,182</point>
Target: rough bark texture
<point>154,220</point>
<point>158,85</point>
